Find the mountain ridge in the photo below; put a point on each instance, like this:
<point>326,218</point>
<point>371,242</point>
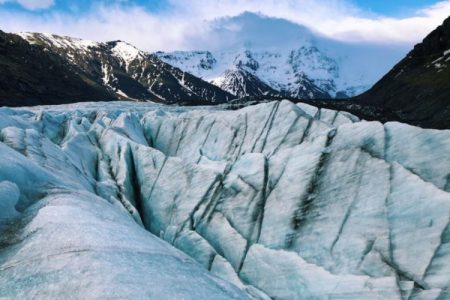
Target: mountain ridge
<point>419,85</point>
<point>24,69</point>
<point>129,71</point>
<point>99,71</point>
<point>415,91</point>
<point>285,56</point>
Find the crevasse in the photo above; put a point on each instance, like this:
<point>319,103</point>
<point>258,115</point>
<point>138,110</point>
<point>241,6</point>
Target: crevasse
<point>284,201</point>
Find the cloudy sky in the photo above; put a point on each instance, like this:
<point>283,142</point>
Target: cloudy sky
<point>178,24</point>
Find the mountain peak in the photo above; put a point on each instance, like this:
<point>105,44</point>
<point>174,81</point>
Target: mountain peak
<point>436,43</point>
<point>125,51</point>
<point>58,41</point>
<point>281,54</point>
<point>116,69</point>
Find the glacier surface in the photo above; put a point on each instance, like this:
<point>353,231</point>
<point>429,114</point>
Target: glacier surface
<point>275,200</point>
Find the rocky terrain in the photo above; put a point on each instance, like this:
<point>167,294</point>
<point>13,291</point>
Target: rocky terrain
<point>30,76</point>
<point>416,91</point>
<point>302,66</point>
<point>418,87</point>
<point>90,71</point>
<point>283,201</point>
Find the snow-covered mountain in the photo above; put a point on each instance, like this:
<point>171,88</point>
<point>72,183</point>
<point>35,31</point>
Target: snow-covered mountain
<point>128,72</point>
<point>285,57</point>
<point>283,201</point>
<point>32,75</point>
<point>253,55</point>
<point>249,73</point>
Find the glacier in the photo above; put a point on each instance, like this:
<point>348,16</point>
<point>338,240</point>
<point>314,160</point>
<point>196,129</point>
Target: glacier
<point>272,201</point>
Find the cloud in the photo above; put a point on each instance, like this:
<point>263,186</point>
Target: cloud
<point>295,10</point>
<point>334,18</point>
<point>32,4</point>
<point>387,30</point>
<point>105,23</point>
<point>182,23</point>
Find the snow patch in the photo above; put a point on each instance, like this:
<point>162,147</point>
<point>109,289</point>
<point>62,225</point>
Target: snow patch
<point>126,52</point>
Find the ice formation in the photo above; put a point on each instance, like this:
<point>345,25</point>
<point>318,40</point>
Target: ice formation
<point>283,201</point>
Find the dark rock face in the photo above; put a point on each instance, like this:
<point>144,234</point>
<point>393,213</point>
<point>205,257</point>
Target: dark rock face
<point>174,86</point>
<point>417,89</point>
<point>50,69</point>
<point>29,75</point>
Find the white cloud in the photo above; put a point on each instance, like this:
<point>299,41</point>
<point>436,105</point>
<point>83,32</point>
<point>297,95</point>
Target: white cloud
<point>132,24</point>
<point>32,4</point>
<point>335,18</point>
<point>383,29</point>
<point>187,21</point>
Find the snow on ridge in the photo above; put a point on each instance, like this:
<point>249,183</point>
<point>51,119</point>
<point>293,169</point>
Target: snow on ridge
<point>126,52</point>
<point>123,50</point>
<point>63,42</point>
<point>28,36</point>
<point>331,65</point>
<point>280,69</point>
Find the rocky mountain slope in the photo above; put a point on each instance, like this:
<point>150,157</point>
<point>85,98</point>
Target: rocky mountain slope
<point>30,76</point>
<point>284,201</point>
<point>286,61</point>
<point>115,70</point>
<point>415,91</point>
<point>257,55</point>
<point>132,73</point>
<point>418,87</point>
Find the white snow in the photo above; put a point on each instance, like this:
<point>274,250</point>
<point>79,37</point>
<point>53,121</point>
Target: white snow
<point>279,69</point>
<point>106,70</point>
<point>126,52</point>
<point>280,53</point>
<point>64,42</point>
<point>73,46</point>
<point>119,92</point>
<point>440,63</point>
<point>28,36</point>
<point>281,200</point>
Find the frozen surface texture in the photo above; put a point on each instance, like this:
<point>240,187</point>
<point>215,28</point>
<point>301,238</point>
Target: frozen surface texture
<point>283,201</point>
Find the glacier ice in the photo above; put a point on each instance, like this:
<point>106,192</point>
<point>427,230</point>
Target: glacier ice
<point>280,200</point>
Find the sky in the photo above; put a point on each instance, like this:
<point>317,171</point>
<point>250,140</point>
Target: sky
<point>393,7</point>
<point>177,24</point>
